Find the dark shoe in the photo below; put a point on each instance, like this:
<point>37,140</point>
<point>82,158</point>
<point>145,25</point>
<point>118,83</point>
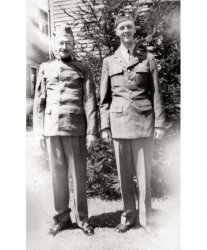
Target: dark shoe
<point>88,230</point>
<point>60,226</point>
<point>121,228</point>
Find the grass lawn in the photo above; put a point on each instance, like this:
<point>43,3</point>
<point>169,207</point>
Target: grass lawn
<point>104,215</point>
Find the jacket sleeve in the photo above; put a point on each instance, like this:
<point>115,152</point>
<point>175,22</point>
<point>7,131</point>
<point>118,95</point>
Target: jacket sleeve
<point>90,103</point>
<point>39,102</point>
<point>156,93</point>
<point>105,95</point>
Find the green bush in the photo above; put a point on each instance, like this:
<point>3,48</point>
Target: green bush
<point>29,121</point>
<point>102,173</point>
<point>158,32</point>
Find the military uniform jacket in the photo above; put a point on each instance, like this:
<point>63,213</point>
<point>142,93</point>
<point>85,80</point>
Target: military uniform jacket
<point>131,102</point>
<point>65,102</point>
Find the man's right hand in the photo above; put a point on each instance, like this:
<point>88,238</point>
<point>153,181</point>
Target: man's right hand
<point>40,141</point>
<point>106,135</point>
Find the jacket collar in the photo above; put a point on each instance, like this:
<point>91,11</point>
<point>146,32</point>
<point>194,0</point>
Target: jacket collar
<point>137,56</point>
<point>118,58</point>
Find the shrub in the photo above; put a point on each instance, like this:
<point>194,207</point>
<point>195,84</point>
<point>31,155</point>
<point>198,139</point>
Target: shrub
<point>158,31</point>
<point>29,121</point>
<point>102,173</point>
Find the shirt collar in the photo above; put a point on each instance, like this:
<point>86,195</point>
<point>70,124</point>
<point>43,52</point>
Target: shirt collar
<point>124,50</point>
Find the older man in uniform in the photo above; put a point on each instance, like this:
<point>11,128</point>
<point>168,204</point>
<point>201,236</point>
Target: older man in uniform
<point>131,113</point>
<point>65,115</point>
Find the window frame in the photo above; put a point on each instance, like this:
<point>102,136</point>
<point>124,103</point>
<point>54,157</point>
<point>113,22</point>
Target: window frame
<point>33,84</point>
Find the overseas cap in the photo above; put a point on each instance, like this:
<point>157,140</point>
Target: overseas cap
<point>121,17</point>
<point>63,30</point>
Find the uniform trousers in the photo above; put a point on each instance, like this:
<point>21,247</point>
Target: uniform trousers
<point>133,158</point>
<point>68,153</point>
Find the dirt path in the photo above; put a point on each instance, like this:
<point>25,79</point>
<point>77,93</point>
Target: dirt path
<point>104,216</point>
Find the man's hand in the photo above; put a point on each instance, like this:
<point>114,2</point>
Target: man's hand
<point>40,141</point>
<point>159,133</point>
<point>106,135</point>
<point>90,141</point>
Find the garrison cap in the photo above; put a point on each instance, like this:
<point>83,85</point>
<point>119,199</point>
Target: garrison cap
<point>121,17</point>
<point>63,30</point>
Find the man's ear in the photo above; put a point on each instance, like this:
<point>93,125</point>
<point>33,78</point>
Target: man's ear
<point>74,43</point>
<point>135,27</point>
<point>115,30</point>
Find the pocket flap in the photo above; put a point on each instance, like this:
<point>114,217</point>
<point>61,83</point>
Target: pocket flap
<point>48,110</point>
<point>145,108</point>
<point>71,110</point>
<point>116,109</point>
<point>115,70</point>
<point>52,74</point>
<point>76,110</point>
<point>77,75</point>
<point>141,69</point>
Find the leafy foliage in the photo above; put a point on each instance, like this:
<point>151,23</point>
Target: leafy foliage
<point>102,173</point>
<point>157,25</point>
<point>29,121</point>
<point>158,31</point>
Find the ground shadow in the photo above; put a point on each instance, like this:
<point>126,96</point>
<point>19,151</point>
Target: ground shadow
<point>111,220</point>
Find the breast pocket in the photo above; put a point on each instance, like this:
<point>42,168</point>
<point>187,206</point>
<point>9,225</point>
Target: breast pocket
<point>48,110</point>
<point>77,75</point>
<point>142,74</point>
<point>116,109</point>
<point>53,75</point>
<point>116,74</point>
<point>76,79</point>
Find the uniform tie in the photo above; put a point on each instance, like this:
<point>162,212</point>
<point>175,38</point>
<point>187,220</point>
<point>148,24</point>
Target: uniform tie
<point>129,55</point>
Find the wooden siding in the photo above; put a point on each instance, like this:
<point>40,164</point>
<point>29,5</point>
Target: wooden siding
<point>28,86</point>
<point>37,42</point>
<point>58,15</point>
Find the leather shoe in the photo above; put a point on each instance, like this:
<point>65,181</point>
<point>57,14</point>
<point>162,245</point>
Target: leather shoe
<point>88,230</point>
<point>121,228</point>
<point>59,226</point>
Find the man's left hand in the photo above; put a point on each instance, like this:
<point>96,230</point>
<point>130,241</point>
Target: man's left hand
<point>159,133</point>
<point>90,141</point>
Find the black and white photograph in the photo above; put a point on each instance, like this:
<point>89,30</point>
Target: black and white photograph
<point>103,124</point>
<point>103,112</point>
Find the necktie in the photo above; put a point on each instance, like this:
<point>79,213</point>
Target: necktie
<point>128,55</point>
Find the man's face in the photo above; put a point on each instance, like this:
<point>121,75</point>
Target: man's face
<point>64,46</point>
<point>125,31</point>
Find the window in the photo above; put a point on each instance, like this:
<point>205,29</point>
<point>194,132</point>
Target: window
<point>33,79</point>
<point>43,22</point>
<point>40,22</point>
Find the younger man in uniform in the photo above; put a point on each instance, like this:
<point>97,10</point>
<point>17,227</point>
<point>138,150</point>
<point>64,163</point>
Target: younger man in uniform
<point>131,113</point>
